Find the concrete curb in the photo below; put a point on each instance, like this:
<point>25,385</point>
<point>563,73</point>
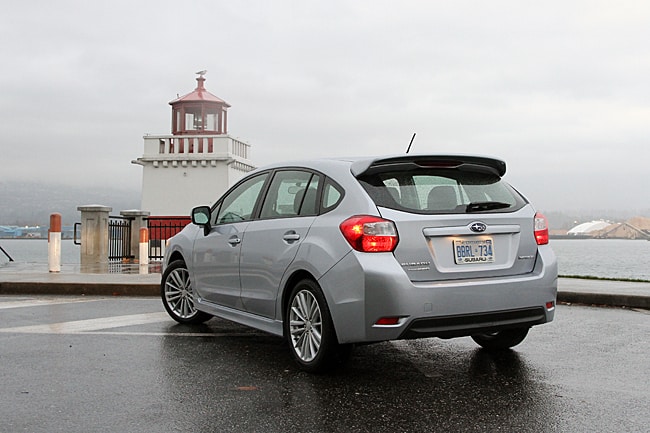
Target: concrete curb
<point>609,299</point>
<point>68,288</point>
<point>583,295</point>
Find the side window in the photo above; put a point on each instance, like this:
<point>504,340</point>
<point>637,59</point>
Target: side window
<point>240,203</point>
<point>309,201</point>
<point>332,195</point>
<point>287,193</point>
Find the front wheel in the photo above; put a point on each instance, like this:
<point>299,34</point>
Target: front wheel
<point>501,340</point>
<point>177,294</point>
<point>310,331</point>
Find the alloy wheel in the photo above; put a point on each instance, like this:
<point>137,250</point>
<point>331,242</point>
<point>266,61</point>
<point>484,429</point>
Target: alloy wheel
<point>305,325</point>
<point>178,293</point>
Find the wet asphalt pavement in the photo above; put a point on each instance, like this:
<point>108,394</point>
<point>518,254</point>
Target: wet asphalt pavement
<point>91,364</point>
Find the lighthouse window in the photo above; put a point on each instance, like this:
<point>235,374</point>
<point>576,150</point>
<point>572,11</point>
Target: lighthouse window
<point>192,121</point>
<point>211,122</point>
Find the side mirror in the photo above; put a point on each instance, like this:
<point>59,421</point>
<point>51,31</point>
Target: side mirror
<point>201,217</point>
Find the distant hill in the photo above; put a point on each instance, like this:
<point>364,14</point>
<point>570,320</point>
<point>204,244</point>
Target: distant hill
<point>32,203</point>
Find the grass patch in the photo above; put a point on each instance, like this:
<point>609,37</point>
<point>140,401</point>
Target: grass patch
<point>591,277</point>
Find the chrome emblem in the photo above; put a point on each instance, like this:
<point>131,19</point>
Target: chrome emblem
<point>478,227</point>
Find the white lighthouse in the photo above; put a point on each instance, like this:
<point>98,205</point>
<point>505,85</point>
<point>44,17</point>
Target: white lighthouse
<point>196,163</point>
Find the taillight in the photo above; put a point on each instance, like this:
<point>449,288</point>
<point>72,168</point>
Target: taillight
<point>370,234</point>
<point>541,229</point>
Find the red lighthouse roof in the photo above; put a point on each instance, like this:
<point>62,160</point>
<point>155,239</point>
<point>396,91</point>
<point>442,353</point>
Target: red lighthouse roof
<point>200,95</point>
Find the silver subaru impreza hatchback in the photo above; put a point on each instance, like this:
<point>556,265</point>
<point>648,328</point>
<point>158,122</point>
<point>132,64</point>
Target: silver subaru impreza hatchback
<point>333,252</point>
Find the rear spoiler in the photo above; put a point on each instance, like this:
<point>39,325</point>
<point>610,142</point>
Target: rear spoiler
<point>483,163</point>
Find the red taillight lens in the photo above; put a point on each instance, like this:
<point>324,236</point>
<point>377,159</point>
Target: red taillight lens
<point>388,321</point>
<point>541,229</point>
<point>370,234</point>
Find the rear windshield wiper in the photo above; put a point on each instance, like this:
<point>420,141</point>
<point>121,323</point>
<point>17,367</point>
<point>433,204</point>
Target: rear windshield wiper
<point>478,206</point>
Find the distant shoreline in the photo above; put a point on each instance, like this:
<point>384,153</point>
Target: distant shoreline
<point>591,277</point>
<point>585,237</point>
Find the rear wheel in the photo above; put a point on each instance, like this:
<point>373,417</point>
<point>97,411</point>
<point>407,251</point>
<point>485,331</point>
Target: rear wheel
<point>310,331</point>
<point>501,340</point>
<point>177,294</point>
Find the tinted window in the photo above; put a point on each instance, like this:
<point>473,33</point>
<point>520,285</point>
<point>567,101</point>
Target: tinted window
<point>332,195</point>
<point>307,198</point>
<point>441,191</point>
<point>287,196</point>
<point>239,204</point>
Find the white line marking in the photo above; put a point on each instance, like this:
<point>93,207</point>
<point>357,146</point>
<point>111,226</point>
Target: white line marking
<point>81,326</point>
<point>41,302</point>
<point>174,334</point>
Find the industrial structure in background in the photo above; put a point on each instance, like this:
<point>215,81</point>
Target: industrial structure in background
<point>634,228</point>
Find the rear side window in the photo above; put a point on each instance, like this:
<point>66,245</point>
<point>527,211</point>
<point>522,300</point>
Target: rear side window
<point>291,193</point>
<point>432,191</point>
<point>332,195</point>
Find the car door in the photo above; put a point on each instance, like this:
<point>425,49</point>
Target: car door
<point>271,242</point>
<point>216,255</point>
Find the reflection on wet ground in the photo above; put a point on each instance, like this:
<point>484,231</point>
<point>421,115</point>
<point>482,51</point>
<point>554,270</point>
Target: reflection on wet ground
<point>416,385</point>
<point>80,364</point>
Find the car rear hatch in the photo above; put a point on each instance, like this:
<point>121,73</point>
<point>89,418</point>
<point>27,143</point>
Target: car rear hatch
<point>447,247</point>
<point>455,217</point>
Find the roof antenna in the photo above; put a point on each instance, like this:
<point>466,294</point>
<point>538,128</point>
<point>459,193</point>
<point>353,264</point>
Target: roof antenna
<point>409,148</point>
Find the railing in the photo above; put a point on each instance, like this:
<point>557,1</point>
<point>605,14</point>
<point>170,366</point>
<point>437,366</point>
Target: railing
<point>6,254</point>
<point>161,229</point>
<point>119,238</point>
<point>196,145</point>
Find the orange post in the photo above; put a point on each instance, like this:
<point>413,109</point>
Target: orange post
<point>144,250</point>
<point>144,235</point>
<point>54,243</point>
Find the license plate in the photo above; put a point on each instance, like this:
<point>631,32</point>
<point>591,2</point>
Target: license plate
<point>468,251</point>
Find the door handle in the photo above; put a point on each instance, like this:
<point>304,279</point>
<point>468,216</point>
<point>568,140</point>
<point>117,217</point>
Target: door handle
<point>291,237</point>
<point>235,240</point>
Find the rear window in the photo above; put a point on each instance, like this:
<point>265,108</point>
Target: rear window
<point>432,191</point>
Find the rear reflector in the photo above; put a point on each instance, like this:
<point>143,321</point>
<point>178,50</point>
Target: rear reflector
<point>387,321</point>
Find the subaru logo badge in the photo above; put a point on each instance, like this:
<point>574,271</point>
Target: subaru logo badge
<point>478,227</point>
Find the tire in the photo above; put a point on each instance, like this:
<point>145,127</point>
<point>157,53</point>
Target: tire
<point>177,294</point>
<point>501,340</point>
<point>310,332</point>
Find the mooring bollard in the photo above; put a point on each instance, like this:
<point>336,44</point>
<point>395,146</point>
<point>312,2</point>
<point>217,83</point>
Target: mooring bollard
<point>144,250</point>
<point>54,243</point>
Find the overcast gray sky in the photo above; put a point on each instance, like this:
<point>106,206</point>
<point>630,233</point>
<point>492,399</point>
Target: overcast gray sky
<point>559,89</point>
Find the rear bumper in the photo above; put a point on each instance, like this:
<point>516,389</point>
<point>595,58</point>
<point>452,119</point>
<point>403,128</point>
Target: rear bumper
<point>363,288</point>
<point>470,324</point>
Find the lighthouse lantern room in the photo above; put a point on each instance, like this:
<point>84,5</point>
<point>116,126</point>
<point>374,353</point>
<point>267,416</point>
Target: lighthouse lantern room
<point>196,163</point>
<point>199,112</point>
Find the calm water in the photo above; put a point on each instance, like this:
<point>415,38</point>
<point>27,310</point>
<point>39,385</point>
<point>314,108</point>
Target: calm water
<point>609,258</point>
<point>35,251</point>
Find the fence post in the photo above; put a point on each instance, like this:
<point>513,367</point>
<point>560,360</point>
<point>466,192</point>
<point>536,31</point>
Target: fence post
<point>138,221</point>
<point>94,236</point>
<point>54,243</point>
